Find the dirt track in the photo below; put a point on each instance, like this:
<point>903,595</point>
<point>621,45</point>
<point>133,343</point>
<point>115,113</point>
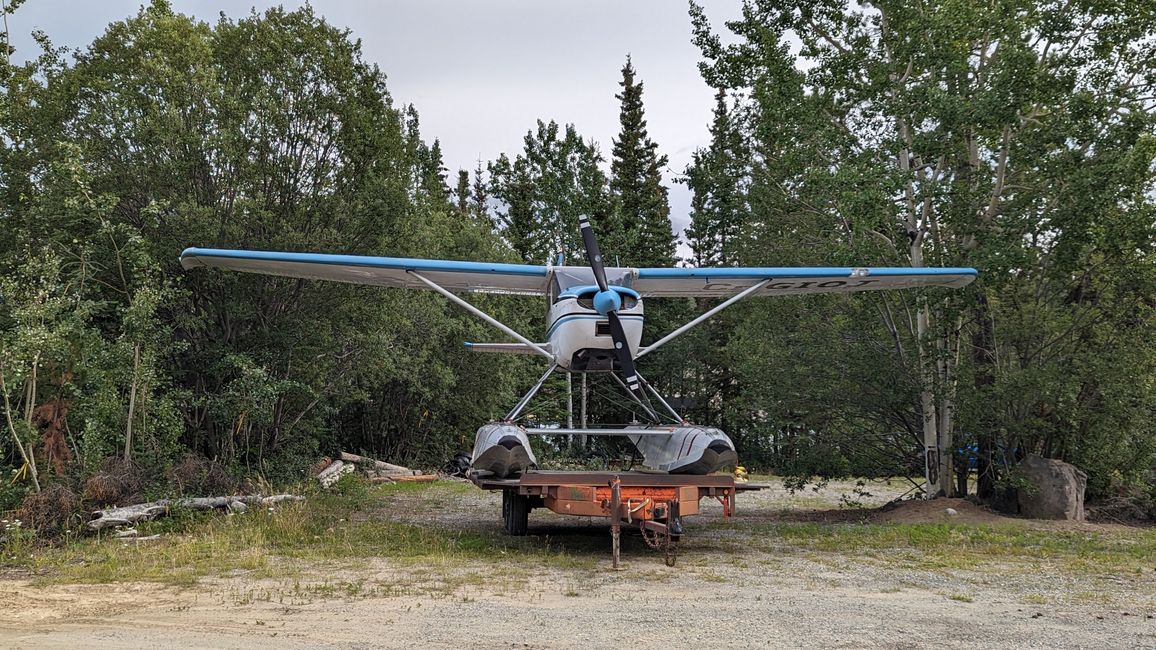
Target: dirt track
<point>722,592</point>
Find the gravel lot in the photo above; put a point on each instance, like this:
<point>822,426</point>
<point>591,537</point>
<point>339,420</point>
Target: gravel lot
<point>728,588</point>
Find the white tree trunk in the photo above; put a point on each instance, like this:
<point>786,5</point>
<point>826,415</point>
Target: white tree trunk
<point>948,345</point>
<point>132,402</point>
<point>931,460</point>
<point>916,231</point>
<point>28,454</point>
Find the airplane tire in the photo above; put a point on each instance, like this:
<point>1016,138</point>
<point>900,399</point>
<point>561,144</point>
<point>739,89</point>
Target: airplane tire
<point>515,512</point>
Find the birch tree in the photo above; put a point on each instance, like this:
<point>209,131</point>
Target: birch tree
<point>941,134</point>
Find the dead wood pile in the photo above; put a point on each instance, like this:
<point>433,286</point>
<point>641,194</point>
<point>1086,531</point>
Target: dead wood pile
<point>378,471</point>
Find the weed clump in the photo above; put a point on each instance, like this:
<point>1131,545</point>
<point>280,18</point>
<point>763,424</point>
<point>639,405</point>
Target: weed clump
<point>197,475</point>
<point>50,511</point>
<point>118,482</point>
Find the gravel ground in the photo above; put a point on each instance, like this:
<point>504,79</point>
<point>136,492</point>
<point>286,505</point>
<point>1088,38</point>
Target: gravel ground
<point>725,590</point>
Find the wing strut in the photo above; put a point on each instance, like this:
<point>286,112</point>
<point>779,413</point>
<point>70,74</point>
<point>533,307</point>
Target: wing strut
<point>530,395</point>
<point>483,315</point>
<point>682,330</point>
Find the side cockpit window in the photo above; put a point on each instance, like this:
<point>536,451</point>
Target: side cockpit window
<point>554,290</point>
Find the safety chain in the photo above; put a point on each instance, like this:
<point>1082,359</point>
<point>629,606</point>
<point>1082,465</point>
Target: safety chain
<point>660,542</point>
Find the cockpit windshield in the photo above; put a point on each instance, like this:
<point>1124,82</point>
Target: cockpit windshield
<point>571,277</point>
<point>575,276</point>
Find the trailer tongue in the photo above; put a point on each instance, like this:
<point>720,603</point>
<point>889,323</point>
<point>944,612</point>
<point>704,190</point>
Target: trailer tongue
<point>655,503</point>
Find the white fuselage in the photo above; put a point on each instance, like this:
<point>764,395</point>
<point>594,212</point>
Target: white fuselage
<point>580,337</point>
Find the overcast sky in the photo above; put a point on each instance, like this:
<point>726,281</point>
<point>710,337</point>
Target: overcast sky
<point>481,72</point>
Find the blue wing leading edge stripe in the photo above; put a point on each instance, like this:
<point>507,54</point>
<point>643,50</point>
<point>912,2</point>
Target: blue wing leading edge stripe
<point>398,263</point>
<point>796,272</point>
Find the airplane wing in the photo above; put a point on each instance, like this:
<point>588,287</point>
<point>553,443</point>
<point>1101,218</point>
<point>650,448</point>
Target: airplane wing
<point>723,282</point>
<point>485,277</point>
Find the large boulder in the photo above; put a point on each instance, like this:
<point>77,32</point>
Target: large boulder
<point>1054,490</point>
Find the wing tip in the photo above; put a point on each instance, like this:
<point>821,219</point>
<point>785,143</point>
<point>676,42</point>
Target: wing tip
<point>188,258</point>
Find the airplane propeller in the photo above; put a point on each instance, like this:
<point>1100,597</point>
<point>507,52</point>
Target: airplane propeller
<point>608,302</point>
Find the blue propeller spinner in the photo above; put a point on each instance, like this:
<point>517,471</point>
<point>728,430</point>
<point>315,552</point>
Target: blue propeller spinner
<point>607,301</point>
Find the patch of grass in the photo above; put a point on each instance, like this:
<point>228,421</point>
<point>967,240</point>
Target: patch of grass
<point>430,490</point>
<point>964,546</point>
<point>571,589</point>
<point>270,543</point>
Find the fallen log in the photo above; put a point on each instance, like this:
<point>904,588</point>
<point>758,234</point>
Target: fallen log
<point>380,465</point>
<point>330,469</point>
<point>334,471</point>
<point>129,515</point>
<point>320,465</point>
<point>388,475</point>
<point>414,479</point>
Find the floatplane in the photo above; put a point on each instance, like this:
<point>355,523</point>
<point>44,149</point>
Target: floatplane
<point>593,325</point>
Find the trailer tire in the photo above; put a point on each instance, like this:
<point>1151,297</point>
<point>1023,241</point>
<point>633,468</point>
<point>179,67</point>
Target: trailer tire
<point>515,512</point>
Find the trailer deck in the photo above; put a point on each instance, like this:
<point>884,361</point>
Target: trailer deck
<point>654,502</point>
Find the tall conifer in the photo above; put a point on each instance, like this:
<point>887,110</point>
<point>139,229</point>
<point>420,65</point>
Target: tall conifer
<point>644,236</point>
<point>717,176</point>
<point>480,199</point>
<point>462,192</point>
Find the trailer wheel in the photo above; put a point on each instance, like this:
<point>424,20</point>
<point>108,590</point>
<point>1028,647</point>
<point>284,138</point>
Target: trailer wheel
<point>515,512</point>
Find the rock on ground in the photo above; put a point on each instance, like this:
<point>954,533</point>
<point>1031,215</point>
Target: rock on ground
<point>1056,489</point>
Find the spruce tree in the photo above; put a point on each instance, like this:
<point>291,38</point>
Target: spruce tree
<point>480,199</point>
<point>641,235</point>
<point>432,170</point>
<point>717,178</point>
<point>462,192</point>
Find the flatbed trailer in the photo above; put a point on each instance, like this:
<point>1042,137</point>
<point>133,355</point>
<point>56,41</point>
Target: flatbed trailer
<point>655,503</point>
